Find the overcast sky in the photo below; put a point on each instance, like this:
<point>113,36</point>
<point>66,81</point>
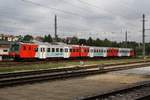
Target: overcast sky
<point>82,18</point>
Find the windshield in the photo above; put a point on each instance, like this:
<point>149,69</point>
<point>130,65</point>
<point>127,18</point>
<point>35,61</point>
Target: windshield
<point>15,47</point>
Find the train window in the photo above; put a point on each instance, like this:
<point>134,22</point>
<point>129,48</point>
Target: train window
<point>36,49</point>
<point>53,49</point>
<point>73,50</point>
<point>24,47</point>
<point>48,50</point>
<point>76,50</point>
<point>41,50</point>
<point>87,50</point>
<point>70,50</point>
<point>29,48</point>
<point>91,50</point>
<point>5,50</point>
<point>57,49</point>
<point>61,50</point>
<point>66,50</point>
<point>14,47</point>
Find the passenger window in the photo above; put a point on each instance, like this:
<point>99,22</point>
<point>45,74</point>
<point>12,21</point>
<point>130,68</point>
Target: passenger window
<point>66,50</point>
<point>70,50</point>
<point>87,50</point>
<point>97,50</point>
<point>41,50</point>
<point>29,48</point>
<point>5,50</point>
<point>24,47</point>
<point>48,50</point>
<point>36,49</point>
<point>53,49</point>
<point>57,49</point>
<point>61,50</point>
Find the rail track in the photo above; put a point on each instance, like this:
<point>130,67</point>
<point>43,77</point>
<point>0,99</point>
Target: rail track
<point>140,91</point>
<point>18,78</point>
<point>32,62</point>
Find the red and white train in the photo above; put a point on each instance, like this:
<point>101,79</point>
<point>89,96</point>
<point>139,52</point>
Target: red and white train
<point>45,51</point>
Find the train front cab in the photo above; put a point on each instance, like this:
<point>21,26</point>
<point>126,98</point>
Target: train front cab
<point>23,50</point>
<point>14,50</point>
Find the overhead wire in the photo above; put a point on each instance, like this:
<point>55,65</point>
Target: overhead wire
<point>53,8</point>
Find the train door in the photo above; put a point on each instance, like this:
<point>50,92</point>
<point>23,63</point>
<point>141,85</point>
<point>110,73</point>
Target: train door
<point>104,52</point>
<point>66,52</point>
<point>42,52</point>
<point>91,52</point>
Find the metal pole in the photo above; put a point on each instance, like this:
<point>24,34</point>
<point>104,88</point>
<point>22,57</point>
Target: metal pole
<point>126,38</point>
<point>143,31</point>
<point>55,28</point>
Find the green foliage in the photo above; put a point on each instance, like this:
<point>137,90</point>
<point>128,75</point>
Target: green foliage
<point>27,38</point>
<point>82,42</point>
<point>74,40</point>
<point>48,38</point>
<point>107,43</point>
<point>90,41</point>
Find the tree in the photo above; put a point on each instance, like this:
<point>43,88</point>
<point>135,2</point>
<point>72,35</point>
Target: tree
<point>90,41</point>
<point>82,41</point>
<point>27,38</point>
<point>48,38</point>
<point>74,40</point>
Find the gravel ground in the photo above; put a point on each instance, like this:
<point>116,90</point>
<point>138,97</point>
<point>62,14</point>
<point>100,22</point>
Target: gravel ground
<point>70,89</point>
<point>132,95</point>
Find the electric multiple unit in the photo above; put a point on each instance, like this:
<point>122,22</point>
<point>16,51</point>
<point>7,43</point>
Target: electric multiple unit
<point>45,51</point>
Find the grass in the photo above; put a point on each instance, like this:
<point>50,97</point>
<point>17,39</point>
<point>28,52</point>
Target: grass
<point>64,64</point>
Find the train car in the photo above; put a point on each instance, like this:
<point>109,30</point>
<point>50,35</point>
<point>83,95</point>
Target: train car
<point>75,51</point>
<point>124,52</point>
<point>4,53</point>
<point>55,51</point>
<point>98,52</point>
<point>112,52</point>
<point>132,53</point>
<point>23,50</point>
<point>84,51</point>
<point>45,51</point>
